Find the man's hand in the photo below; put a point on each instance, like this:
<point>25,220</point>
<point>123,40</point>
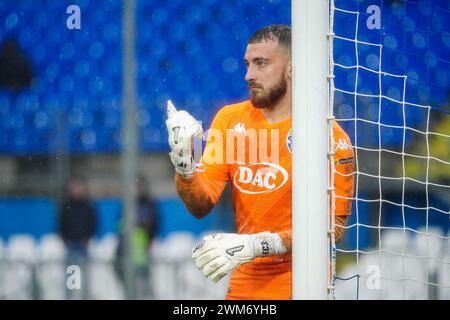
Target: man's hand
<point>182,129</point>
<point>221,253</point>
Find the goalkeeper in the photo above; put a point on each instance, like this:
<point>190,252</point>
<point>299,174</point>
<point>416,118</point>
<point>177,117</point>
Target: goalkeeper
<point>259,254</point>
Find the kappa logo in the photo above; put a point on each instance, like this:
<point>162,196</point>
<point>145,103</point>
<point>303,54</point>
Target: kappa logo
<point>239,128</point>
<point>260,178</point>
<point>342,145</point>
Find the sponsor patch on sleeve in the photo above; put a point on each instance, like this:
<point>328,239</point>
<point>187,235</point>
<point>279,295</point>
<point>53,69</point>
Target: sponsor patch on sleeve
<point>343,161</point>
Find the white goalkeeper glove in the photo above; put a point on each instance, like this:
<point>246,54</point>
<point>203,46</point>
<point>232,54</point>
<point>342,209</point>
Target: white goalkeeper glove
<point>182,129</point>
<point>221,253</point>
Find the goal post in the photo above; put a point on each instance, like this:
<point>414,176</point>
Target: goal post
<point>381,68</point>
<point>310,102</point>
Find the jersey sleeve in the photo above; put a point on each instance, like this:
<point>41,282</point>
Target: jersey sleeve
<point>344,164</point>
<point>339,221</point>
<point>212,164</point>
<point>198,194</point>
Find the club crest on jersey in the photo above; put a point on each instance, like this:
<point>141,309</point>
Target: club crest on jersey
<point>289,141</point>
<point>260,178</point>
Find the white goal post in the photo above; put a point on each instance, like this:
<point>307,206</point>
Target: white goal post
<point>399,246</point>
<point>310,141</point>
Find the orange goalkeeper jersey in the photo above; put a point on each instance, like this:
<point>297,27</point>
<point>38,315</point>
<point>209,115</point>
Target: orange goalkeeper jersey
<point>255,157</point>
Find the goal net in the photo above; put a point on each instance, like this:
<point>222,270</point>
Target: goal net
<point>389,89</point>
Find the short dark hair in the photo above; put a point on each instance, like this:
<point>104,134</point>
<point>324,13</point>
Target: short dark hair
<point>280,32</point>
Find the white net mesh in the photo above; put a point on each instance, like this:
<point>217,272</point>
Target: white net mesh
<point>389,88</point>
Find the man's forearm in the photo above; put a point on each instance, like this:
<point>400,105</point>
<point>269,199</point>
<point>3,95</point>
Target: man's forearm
<point>199,195</point>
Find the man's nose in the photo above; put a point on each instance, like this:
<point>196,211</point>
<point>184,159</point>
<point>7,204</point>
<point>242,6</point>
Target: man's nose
<point>250,75</point>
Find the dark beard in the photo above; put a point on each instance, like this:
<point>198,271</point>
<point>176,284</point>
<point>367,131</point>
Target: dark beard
<point>275,94</point>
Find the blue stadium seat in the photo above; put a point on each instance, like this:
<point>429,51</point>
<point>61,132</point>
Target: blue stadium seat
<point>5,102</point>
<point>195,59</point>
<point>111,119</point>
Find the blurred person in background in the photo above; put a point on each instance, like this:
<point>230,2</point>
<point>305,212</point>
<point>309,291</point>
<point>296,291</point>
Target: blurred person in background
<point>77,226</point>
<point>15,70</point>
<point>146,230</point>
